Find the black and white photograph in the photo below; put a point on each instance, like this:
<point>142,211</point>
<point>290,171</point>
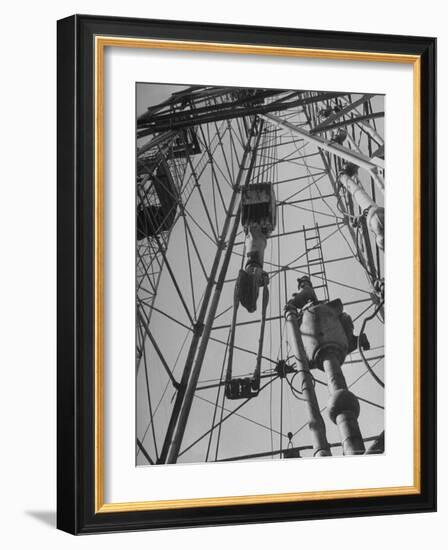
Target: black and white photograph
<point>199,243</point>
<point>259,274</point>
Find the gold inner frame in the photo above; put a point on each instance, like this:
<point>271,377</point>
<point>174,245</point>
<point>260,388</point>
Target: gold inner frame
<point>101,42</point>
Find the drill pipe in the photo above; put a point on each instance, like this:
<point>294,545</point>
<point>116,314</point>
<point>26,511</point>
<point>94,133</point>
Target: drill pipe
<point>343,406</point>
<point>316,423</point>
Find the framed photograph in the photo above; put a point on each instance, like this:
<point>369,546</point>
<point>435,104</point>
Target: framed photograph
<point>246,274</point>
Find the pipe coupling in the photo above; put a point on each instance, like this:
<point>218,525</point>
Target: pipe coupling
<point>342,401</point>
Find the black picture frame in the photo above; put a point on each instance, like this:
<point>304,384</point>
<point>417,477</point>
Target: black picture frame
<point>76,270</point>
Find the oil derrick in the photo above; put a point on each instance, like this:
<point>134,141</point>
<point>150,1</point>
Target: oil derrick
<point>231,183</point>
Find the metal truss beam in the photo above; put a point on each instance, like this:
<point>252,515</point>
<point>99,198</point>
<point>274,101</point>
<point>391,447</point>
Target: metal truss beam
<point>339,114</point>
<point>363,161</point>
<point>191,117</point>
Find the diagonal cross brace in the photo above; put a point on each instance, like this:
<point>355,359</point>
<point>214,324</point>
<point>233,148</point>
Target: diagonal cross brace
<point>363,161</point>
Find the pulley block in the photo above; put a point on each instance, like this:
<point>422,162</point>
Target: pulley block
<point>258,207</point>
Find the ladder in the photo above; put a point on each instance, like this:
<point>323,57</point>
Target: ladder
<point>315,262</point>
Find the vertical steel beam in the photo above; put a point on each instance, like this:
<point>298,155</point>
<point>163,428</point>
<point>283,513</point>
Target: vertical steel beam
<point>193,381</point>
